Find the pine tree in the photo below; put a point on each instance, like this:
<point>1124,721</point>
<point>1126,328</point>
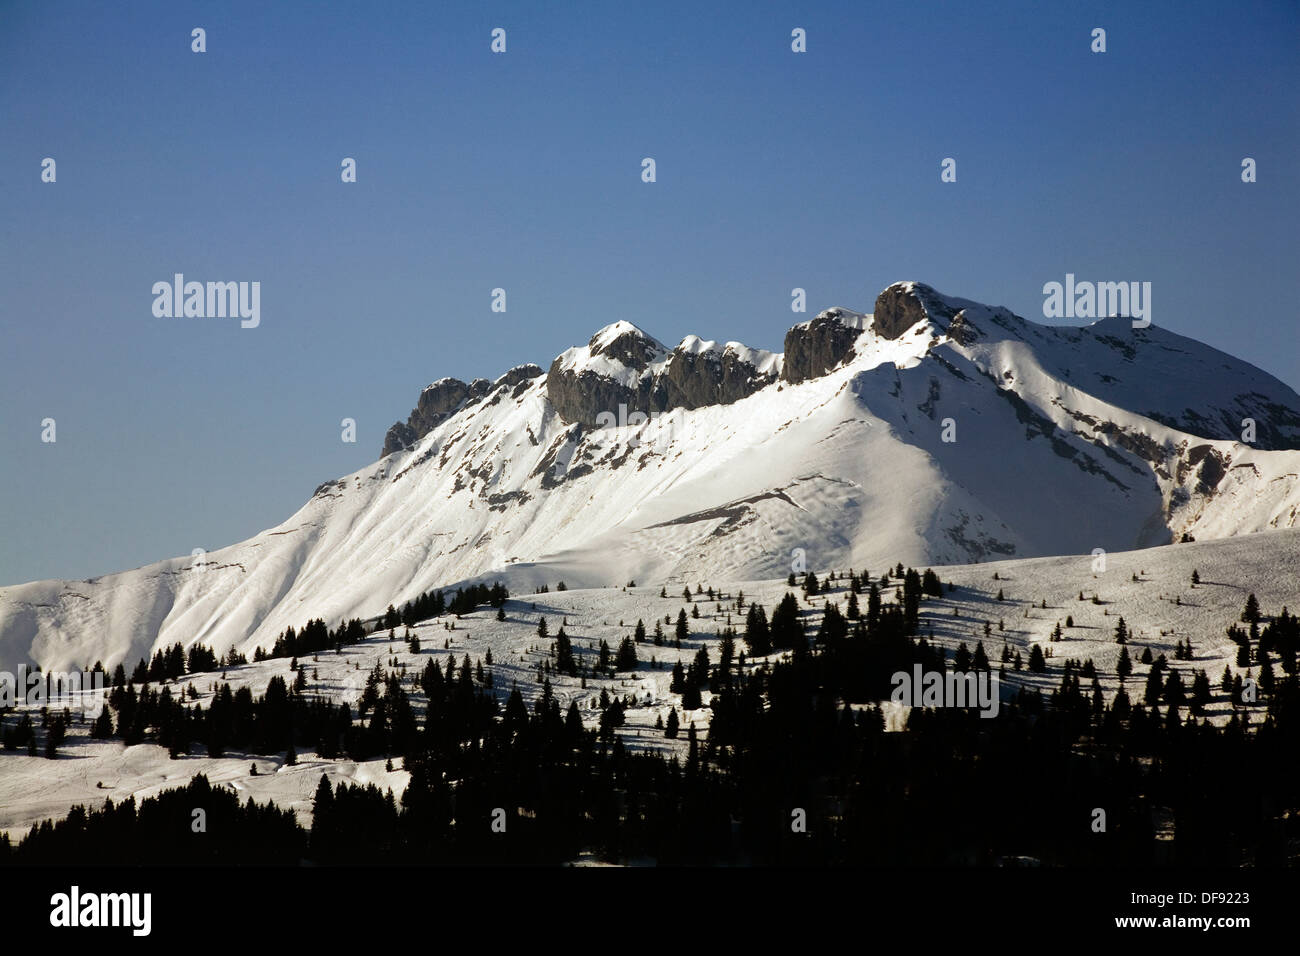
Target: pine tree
<point>1250,614</point>
<point>1266,677</point>
<point>670,730</point>
<point>1121,632</point>
<point>564,661</point>
<point>626,659</point>
<point>1124,667</point>
<point>322,818</point>
<point>757,635</point>
<point>691,698</point>
<point>1154,687</point>
<point>1200,691</point>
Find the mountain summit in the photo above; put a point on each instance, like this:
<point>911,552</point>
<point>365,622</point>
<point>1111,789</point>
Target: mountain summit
<point>933,430</point>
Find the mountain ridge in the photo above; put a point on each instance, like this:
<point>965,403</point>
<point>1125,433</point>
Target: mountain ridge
<point>613,466</point>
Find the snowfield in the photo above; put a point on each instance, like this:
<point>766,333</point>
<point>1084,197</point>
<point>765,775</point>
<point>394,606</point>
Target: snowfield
<point>1160,609</point>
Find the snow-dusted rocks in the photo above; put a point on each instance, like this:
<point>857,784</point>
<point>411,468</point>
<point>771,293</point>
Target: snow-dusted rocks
<point>903,304</point>
<point>623,366</point>
<point>815,347</point>
<point>436,403</point>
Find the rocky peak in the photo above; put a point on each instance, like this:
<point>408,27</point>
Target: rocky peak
<point>442,399</point>
<point>626,344</point>
<point>815,347</point>
<point>520,373</point>
<point>623,366</point>
<point>904,304</point>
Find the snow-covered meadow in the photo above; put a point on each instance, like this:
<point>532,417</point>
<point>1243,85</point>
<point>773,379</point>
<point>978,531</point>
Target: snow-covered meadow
<point>1160,608</point>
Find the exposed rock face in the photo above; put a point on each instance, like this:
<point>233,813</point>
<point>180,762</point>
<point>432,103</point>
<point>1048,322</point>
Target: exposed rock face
<point>624,343</point>
<point>815,347</point>
<point>580,395</point>
<point>399,437</point>
<point>695,379</point>
<point>904,304</point>
<point>622,366</point>
<point>963,331</point>
<point>518,374</point>
<point>444,398</point>
<point>437,402</point>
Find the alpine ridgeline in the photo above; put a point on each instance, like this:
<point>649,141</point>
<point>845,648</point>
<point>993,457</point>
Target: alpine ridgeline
<point>932,431</point>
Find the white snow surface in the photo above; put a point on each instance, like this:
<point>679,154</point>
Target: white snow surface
<point>1059,449</point>
<point>1160,609</point>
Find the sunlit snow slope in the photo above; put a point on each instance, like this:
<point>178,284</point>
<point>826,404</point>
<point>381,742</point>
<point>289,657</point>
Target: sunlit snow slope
<point>933,431</point>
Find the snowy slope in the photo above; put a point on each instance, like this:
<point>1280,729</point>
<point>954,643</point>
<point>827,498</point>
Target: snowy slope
<point>1065,441</point>
<point>1160,609</point>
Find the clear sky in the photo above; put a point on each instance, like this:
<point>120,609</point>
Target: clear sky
<point>522,171</point>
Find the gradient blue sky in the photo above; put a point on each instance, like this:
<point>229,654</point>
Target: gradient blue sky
<point>522,171</point>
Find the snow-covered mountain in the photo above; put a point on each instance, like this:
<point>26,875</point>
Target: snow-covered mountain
<point>932,431</point>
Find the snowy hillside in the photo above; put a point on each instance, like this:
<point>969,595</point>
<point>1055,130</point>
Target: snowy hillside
<point>932,431</point>
<point>1161,609</point>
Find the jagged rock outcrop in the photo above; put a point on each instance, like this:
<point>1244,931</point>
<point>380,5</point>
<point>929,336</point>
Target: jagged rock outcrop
<point>517,376</point>
<point>437,403</point>
<point>399,437</point>
<point>963,331</point>
<point>623,371</point>
<point>584,382</point>
<point>696,375</point>
<point>815,347</point>
<point>904,304</point>
<point>622,366</point>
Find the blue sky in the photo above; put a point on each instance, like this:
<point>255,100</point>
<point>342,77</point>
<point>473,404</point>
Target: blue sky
<point>522,171</point>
